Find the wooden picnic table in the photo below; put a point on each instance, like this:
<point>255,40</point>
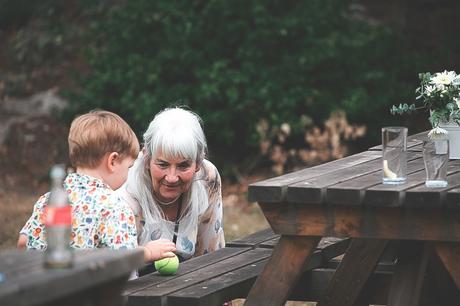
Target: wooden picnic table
<point>97,278</point>
<point>228,273</point>
<point>346,198</point>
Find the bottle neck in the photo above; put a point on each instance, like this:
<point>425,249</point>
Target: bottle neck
<point>56,183</point>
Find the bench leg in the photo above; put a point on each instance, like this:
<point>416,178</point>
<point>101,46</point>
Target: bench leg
<point>449,253</point>
<point>406,286</point>
<point>357,265</point>
<point>282,271</point>
<point>444,290</point>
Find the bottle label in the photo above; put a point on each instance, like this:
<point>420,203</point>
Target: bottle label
<point>58,215</point>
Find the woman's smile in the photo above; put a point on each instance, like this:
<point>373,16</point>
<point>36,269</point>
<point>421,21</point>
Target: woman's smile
<point>171,176</point>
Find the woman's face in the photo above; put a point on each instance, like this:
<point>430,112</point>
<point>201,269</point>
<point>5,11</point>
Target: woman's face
<point>171,177</point>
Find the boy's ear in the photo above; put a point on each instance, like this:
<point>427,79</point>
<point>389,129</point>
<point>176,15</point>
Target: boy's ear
<point>111,159</point>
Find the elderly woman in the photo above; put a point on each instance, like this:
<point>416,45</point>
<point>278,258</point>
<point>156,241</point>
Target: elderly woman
<point>173,190</point>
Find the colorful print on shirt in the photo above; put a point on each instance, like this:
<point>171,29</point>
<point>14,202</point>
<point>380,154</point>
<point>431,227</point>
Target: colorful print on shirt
<point>99,218</point>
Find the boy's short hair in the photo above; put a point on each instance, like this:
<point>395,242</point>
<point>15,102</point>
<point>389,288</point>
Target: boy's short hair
<point>97,133</point>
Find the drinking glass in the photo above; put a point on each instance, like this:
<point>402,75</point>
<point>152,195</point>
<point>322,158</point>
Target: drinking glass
<point>435,157</point>
<point>394,154</point>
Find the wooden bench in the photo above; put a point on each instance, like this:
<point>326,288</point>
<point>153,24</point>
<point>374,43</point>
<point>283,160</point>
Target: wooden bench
<point>96,278</point>
<point>226,274</point>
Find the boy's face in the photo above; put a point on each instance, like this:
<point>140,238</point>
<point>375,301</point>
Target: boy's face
<point>120,172</point>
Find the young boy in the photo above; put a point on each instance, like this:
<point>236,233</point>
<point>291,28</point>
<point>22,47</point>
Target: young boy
<point>102,147</point>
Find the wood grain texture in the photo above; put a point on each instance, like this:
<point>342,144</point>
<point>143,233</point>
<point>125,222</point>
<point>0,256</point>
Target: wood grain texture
<point>312,190</point>
<point>313,284</point>
<point>158,294</point>
<point>282,271</point>
<point>192,265</point>
<point>353,272</point>
<point>409,276</point>
<point>92,270</point>
<point>422,196</point>
<point>274,189</point>
<point>361,222</point>
<point>453,198</point>
<point>352,191</point>
<point>444,291</point>
<point>253,240</point>
<point>449,254</point>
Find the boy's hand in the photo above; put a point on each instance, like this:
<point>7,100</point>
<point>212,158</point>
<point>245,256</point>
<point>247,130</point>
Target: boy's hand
<point>22,242</point>
<point>158,249</point>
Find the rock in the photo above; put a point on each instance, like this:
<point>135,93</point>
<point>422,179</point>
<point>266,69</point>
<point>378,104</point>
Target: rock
<point>31,140</point>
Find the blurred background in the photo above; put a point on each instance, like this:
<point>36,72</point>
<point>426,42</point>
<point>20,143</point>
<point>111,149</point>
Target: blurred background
<point>280,85</point>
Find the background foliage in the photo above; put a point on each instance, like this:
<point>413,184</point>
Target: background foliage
<point>235,62</point>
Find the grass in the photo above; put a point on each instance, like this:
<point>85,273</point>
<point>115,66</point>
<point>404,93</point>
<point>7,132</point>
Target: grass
<point>15,209</point>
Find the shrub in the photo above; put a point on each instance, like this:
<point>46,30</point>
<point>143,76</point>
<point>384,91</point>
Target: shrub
<point>236,62</point>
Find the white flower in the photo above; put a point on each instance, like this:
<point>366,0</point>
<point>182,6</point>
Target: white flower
<point>456,81</point>
<point>443,78</point>
<point>429,89</point>
<point>437,133</point>
<point>441,87</point>
<point>457,100</point>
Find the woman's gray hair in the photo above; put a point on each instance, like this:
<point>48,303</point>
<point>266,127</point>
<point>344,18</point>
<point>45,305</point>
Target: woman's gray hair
<point>173,133</point>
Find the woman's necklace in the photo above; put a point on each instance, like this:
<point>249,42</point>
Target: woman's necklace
<point>166,203</point>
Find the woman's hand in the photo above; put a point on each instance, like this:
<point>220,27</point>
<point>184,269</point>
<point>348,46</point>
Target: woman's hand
<point>158,249</point>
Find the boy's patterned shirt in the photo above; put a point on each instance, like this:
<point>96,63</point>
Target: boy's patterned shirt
<point>99,218</point>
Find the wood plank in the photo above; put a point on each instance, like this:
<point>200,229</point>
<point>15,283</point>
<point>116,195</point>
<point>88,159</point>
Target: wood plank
<point>449,253</point>
<point>188,266</point>
<point>353,272</point>
<point>158,294</point>
<point>270,243</point>
<point>311,287</point>
<point>220,289</point>
<point>236,283</point>
<point>91,269</point>
<point>409,276</point>
<point>332,247</point>
<point>312,190</point>
<point>231,285</point>
<point>445,292</point>
<point>313,284</point>
<point>274,189</point>
<point>453,198</point>
<point>392,195</point>
<point>362,222</point>
<point>351,192</point>
<point>413,192</point>
<point>275,283</point>
<point>254,239</point>
<point>422,196</point>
